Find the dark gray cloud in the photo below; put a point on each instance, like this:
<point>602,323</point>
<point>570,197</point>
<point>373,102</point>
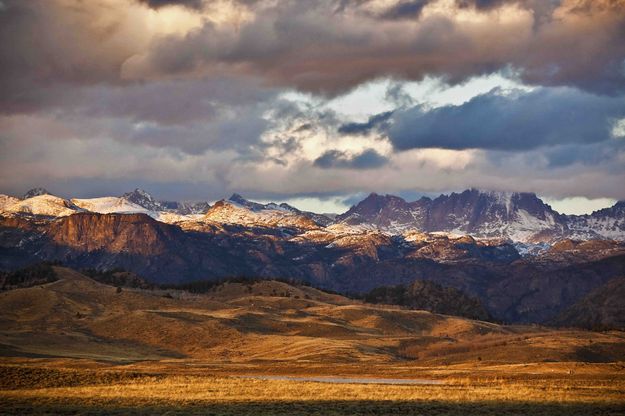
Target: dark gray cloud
<point>376,121</point>
<point>396,94</point>
<point>406,9</point>
<point>368,159</point>
<point>310,46</point>
<point>513,121</point>
<point>50,47</point>
<point>325,46</point>
<point>170,102</point>
<point>488,4</point>
<point>155,4</point>
<point>603,153</point>
<point>239,134</point>
<point>403,9</point>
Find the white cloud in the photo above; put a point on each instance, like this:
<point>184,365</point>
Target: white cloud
<point>579,205</point>
<point>618,129</point>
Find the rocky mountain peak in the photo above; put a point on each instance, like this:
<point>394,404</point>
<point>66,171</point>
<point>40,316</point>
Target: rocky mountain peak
<point>238,198</point>
<point>254,206</point>
<point>36,192</point>
<point>375,202</point>
<point>143,199</point>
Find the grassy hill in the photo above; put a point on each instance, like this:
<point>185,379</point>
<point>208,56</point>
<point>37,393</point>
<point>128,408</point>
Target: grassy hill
<point>255,321</point>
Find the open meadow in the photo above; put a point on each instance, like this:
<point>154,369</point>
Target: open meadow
<point>50,386</point>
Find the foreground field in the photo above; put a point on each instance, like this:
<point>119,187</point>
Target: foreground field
<point>29,388</point>
<point>76,346</point>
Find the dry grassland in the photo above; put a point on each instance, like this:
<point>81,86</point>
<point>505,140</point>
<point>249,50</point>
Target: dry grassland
<point>36,390</point>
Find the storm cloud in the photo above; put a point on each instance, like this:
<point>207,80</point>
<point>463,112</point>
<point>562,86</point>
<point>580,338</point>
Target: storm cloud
<point>510,121</point>
<point>368,159</point>
<point>310,46</point>
<point>155,4</point>
<point>375,121</point>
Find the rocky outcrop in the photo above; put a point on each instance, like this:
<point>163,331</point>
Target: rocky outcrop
<point>114,233</point>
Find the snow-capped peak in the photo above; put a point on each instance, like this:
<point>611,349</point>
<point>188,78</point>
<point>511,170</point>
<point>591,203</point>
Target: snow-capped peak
<point>238,199</point>
<point>239,211</point>
<point>110,204</point>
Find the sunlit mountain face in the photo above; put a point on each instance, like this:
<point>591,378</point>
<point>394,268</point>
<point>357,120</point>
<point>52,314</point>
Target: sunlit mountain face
<point>315,103</point>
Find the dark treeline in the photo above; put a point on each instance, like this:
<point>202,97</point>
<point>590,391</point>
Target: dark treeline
<point>204,286</point>
<point>119,277</point>
<point>36,274</point>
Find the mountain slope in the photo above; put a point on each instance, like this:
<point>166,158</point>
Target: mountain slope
<point>6,201</point>
<point>143,199</point>
<point>601,309</point>
<point>607,222</point>
<point>320,219</point>
<point>520,217</point>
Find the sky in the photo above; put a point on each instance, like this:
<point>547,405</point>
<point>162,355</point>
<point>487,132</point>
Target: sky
<point>314,102</point>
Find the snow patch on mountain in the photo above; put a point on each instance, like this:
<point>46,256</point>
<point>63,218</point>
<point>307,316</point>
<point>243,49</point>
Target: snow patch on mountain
<point>47,205</point>
<point>120,205</point>
<point>240,212</point>
<point>110,204</point>
<point>6,200</point>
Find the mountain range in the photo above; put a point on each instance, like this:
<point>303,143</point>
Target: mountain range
<point>519,217</point>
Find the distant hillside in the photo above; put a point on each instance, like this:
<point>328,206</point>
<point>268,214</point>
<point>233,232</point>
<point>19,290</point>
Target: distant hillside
<point>602,309</point>
<point>430,296</point>
<point>251,322</point>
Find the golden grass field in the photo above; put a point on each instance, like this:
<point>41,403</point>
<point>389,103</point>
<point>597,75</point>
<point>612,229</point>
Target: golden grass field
<point>29,388</point>
<point>78,347</point>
